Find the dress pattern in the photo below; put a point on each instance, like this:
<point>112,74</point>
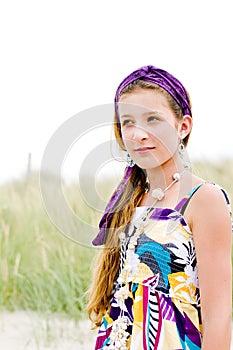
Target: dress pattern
<point>163,306</point>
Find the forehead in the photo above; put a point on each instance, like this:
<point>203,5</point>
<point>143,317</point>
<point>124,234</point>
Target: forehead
<point>143,100</point>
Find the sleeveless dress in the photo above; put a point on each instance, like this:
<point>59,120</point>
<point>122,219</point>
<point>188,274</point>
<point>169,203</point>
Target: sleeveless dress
<point>163,306</point>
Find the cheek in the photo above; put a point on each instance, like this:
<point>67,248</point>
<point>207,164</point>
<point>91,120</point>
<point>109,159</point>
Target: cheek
<point>167,138</point>
<point>127,135</point>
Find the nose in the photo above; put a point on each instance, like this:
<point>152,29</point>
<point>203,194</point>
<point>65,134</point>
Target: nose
<point>139,134</point>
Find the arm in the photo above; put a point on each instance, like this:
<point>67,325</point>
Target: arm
<point>211,226</point>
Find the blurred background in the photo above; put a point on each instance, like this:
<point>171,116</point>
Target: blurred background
<point>59,58</point>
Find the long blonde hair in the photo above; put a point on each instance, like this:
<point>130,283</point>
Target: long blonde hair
<point>106,264</point>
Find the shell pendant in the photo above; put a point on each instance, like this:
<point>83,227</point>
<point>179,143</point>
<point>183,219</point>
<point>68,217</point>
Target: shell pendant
<point>158,194</point>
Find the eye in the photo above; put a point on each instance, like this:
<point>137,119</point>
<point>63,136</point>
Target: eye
<point>152,118</point>
<point>127,122</point>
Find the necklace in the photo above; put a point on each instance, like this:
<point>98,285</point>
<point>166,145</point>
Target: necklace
<point>128,268</point>
<point>159,194</point>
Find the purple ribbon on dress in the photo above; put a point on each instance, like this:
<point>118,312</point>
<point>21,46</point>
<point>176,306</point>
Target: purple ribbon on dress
<point>167,214</point>
<point>162,78</point>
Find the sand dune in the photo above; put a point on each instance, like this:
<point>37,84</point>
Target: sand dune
<point>32,331</point>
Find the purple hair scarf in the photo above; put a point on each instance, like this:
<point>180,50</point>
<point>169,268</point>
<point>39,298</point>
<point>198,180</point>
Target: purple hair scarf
<point>162,78</point>
<point>107,216</point>
<point>174,87</point>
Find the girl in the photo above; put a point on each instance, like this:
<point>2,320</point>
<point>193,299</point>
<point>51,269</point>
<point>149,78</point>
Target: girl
<point>163,279</point>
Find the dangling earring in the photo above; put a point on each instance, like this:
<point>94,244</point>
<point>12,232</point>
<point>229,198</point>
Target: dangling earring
<point>183,155</point>
<point>130,161</point>
<point>181,149</point>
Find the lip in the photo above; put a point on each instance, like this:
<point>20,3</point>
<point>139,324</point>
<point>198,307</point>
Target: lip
<point>144,149</point>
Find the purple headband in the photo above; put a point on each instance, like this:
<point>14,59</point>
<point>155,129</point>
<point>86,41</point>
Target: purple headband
<point>162,78</point>
<point>174,87</point>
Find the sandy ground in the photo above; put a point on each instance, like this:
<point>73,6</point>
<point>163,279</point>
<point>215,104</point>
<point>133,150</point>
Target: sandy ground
<point>31,331</point>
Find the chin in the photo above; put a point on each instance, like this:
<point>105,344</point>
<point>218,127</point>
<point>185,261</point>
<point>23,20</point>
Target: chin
<point>147,166</point>
<point>152,164</point>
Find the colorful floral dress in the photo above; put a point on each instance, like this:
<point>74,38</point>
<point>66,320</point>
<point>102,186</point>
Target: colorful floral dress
<point>162,308</point>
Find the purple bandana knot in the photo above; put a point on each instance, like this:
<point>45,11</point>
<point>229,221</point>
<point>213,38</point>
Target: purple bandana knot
<point>108,212</point>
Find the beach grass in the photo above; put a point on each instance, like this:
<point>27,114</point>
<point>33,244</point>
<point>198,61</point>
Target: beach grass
<point>41,269</point>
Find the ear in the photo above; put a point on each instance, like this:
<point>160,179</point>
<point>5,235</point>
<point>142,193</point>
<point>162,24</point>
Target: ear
<point>185,126</point>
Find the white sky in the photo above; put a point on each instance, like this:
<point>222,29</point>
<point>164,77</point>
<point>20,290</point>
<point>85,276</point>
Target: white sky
<point>61,57</point>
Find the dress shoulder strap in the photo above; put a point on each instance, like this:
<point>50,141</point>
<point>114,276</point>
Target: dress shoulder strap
<point>182,205</point>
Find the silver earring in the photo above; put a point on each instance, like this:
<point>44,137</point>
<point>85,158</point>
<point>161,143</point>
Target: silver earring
<point>181,149</point>
<point>130,161</point>
<point>183,155</point>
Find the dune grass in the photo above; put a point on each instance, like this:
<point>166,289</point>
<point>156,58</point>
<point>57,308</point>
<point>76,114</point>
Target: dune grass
<point>42,270</point>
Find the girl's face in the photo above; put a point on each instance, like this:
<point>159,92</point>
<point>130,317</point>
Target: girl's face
<point>150,129</point>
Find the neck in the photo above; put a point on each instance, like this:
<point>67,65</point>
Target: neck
<point>162,176</point>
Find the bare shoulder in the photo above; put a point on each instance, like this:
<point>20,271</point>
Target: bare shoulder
<point>211,194</point>
<point>208,206</point>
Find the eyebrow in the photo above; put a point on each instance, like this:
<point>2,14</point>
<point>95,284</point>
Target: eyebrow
<point>125,116</point>
<point>144,114</point>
